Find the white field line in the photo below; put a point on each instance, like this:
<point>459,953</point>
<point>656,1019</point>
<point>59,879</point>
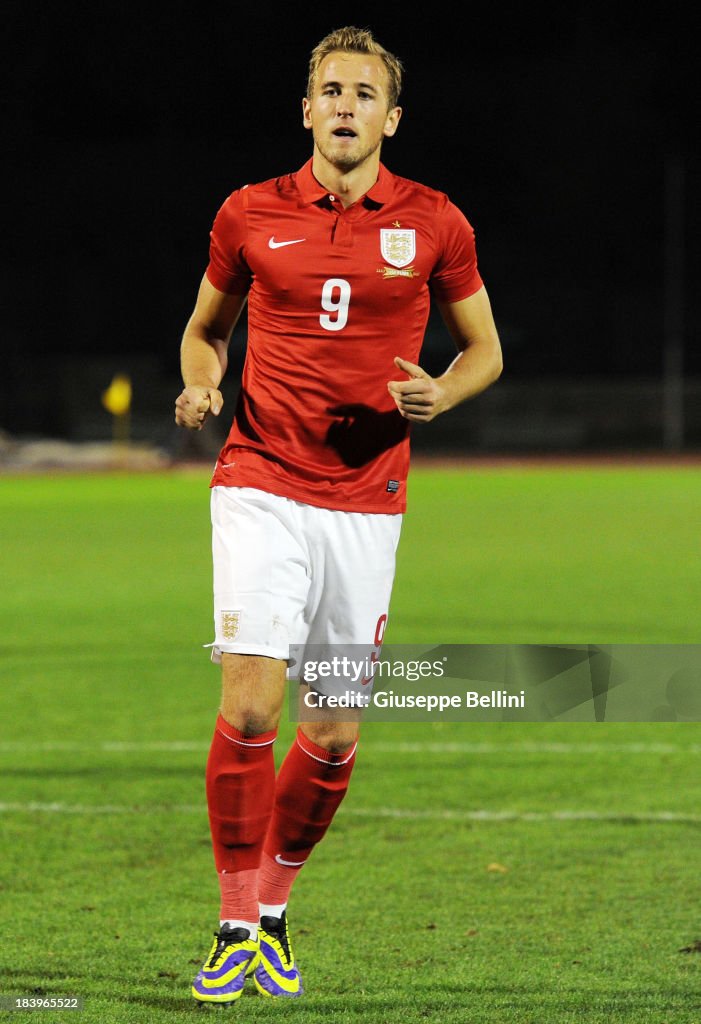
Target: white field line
<point>185,746</point>
<point>532,748</point>
<point>105,746</point>
<point>395,813</point>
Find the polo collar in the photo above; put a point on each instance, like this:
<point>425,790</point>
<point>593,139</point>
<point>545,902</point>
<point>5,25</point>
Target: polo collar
<point>311,191</point>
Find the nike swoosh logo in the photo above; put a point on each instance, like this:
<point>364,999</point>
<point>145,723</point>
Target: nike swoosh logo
<point>289,863</point>
<point>278,245</point>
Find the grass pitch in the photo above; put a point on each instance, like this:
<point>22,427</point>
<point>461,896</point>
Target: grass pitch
<point>501,873</point>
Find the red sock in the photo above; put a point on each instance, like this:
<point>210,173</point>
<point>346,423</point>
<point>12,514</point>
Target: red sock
<point>310,785</point>
<point>240,791</point>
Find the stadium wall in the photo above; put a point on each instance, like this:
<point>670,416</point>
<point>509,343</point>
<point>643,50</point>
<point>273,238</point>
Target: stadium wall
<point>553,414</point>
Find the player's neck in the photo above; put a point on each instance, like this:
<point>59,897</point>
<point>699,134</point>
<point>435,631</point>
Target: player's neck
<point>349,186</point>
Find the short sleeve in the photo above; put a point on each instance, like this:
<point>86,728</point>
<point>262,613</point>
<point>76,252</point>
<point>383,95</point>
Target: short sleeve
<point>455,275</point>
<point>227,269</point>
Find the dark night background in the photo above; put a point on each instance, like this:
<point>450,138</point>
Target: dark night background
<point>128,126</point>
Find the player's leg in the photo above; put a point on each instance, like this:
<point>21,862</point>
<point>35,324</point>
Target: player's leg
<point>257,591</point>
<point>311,783</point>
<point>240,782</point>
<point>347,606</point>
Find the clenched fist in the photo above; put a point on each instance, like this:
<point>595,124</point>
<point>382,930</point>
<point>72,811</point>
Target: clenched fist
<point>194,404</point>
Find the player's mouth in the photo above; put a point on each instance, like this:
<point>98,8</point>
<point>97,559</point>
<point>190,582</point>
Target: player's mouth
<point>344,133</point>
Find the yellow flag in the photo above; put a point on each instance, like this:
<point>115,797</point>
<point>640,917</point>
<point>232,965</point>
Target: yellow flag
<point>117,398</point>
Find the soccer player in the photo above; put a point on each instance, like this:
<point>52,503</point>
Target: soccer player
<point>338,262</point>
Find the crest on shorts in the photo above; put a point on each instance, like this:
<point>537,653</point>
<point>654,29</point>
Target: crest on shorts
<point>230,624</point>
<point>398,246</point>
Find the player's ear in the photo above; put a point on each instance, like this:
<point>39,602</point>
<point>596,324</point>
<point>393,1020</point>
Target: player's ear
<point>392,121</point>
<point>306,113</point>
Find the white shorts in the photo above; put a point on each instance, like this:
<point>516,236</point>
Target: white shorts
<point>290,573</point>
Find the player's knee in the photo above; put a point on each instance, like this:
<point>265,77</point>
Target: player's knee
<point>336,737</point>
<point>249,720</point>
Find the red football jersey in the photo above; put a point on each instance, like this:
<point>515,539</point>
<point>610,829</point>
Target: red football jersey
<point>334,295</point>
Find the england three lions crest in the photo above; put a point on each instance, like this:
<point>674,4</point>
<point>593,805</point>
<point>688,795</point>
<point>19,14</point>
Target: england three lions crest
<point>230,624</point>
<point>398,247</point>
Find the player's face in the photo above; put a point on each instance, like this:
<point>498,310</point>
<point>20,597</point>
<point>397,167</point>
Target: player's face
<point>348,113</point>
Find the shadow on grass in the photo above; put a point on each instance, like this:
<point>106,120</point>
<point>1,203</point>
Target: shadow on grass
<point>447,1000</point>
<point>93,987</point>
<point>443,1001</point>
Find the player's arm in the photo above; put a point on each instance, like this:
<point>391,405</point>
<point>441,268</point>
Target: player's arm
<point>477,365</point>
<point>203,354</point>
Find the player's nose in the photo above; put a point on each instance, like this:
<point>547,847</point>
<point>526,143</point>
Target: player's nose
<point>345,106</point>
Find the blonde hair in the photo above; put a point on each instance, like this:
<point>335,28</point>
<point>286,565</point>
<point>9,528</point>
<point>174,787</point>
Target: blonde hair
<point>356,40</point>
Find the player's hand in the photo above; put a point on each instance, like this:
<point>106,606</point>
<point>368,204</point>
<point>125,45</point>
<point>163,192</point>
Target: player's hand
<point>421,398</point>
<point>194,404</point>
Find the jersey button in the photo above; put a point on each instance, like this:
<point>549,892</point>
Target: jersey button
<point>332,199</point>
